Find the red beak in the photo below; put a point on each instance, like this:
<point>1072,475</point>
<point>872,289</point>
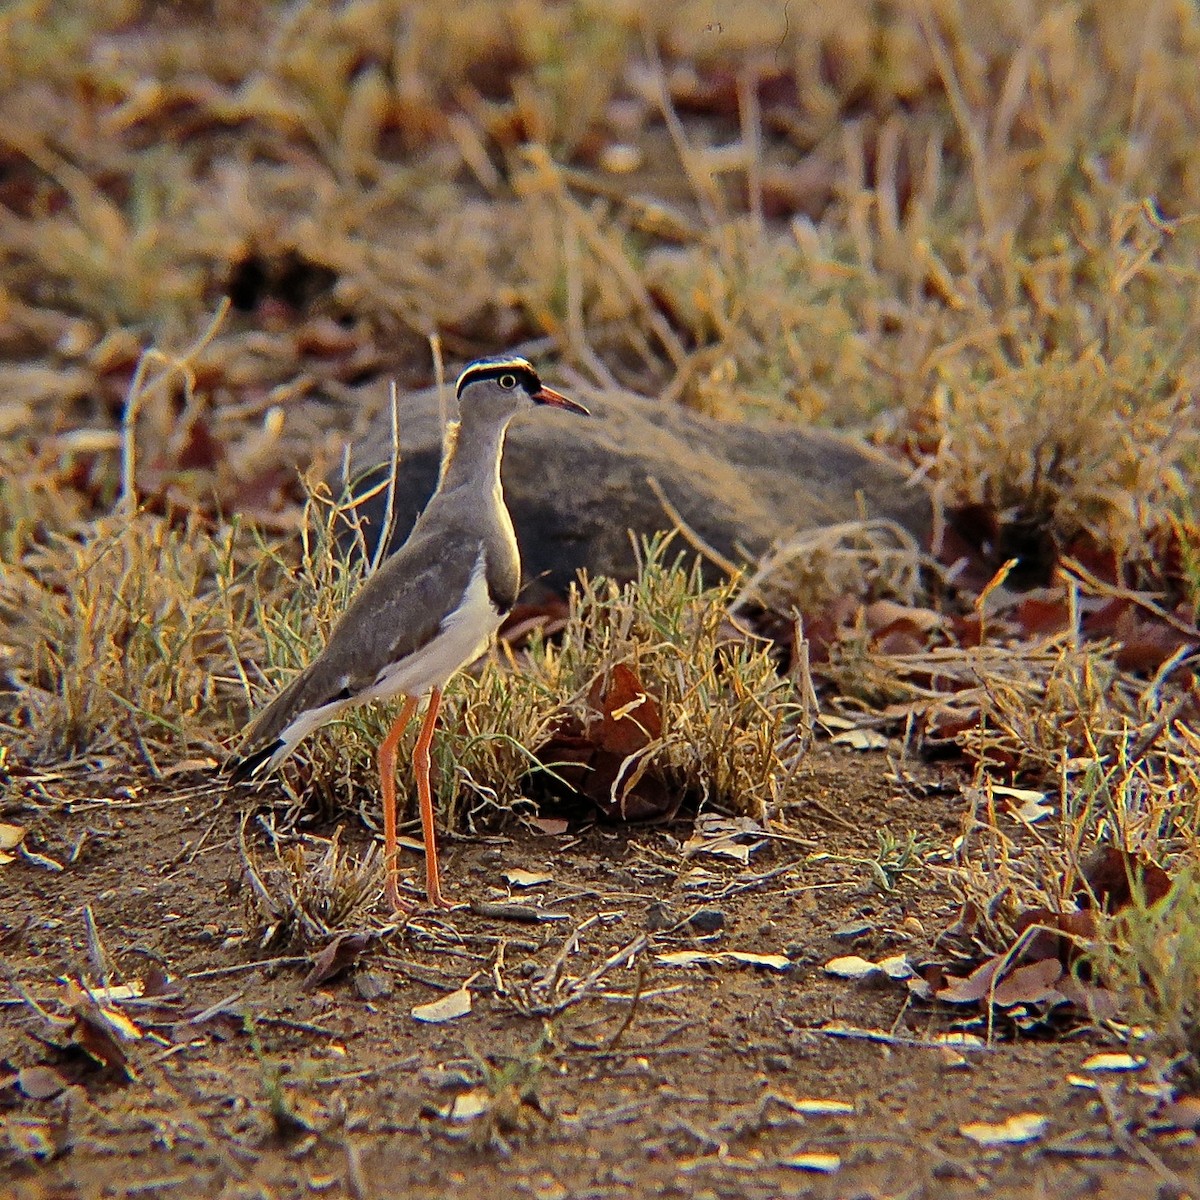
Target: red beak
<point>547,395</point>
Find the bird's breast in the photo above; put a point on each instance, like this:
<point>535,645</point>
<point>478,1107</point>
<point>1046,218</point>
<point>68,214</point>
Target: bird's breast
<point>502,560</point>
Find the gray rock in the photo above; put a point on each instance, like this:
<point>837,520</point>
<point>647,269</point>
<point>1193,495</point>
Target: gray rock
<point>576,485</point>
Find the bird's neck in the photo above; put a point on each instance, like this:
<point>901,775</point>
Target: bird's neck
<point>471,454</point>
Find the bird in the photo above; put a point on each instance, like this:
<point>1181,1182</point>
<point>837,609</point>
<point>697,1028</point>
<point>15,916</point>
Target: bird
<point>431,608</point>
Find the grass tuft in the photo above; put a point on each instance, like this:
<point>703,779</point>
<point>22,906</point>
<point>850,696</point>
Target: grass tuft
<point>122,636</point>
<point>1150,955</point>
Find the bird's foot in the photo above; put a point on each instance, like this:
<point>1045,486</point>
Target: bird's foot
<point>396,903</point>
<point>438,901</point>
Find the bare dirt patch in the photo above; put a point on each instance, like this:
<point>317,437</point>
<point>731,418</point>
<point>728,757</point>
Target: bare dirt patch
<point>566,1078</point>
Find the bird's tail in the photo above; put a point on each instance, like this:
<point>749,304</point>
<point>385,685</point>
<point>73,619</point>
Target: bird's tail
<point>264,744</point>
<point>307,703</point>
<point>242,768</point>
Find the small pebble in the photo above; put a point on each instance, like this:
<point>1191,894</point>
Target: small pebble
<point>707,920</point>
<point>372,985</point>
<point>658,916</point>
<point>852,930</point>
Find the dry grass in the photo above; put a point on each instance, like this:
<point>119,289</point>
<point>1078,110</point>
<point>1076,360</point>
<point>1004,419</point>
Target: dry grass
<point>732,731</point>
<point>310,891</point>
<point>969,231</point>
<point>732,727</point>
<point>1150,954</point>
<point>121,637</point>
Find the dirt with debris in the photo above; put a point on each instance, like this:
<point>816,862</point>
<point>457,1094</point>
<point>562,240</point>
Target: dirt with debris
<point>588,1065</point>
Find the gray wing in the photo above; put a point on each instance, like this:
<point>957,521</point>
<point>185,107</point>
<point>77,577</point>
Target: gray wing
<point>396,612</point>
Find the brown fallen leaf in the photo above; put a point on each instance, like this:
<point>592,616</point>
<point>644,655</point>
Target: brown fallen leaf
<point>526,879</point>
<point>861,739</point>
<point>335,958</point>
<point>553,826</point>
<point>885,616</point>
<point>691,958</point>
<point>1113,1060</point>
<point>604,758</point>
<point>1032,983</point>
<point>1109,876</point>
<point>629,719</point>
<point>817,1161</point>
<point>974,987</point>
<point>852,966</point>
<point>546,619</point>
<point>101,1031</point>
<point>1057,935</point>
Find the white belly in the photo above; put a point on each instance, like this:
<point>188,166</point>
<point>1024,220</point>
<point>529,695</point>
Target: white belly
<point>463,637</point>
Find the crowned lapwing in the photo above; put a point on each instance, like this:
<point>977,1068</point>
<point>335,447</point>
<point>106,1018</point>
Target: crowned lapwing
<point>430,609</point>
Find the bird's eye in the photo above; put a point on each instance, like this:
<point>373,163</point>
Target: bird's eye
<point>508,381</point>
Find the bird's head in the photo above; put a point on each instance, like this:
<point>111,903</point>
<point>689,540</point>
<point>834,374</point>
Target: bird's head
<point>499,387</point>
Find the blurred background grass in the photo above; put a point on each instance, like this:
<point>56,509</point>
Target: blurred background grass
<point>920,219</point>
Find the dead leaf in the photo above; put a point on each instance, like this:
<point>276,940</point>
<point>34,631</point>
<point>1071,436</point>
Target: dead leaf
<point>554,826</point>
<point>1107,874</point>
<point>1030,984</point>
<point>527,879</point>
<point>335,958</point>
<point>189,766</point>
<point>1038,616</point>
<point>999,789</point>
<point>1030,806</point>
<point>836,721</point>
<point>817,1161</point>
<point>608,757</point>
<point>1112,1060</point>
<point>896,966</point>
<point>1013,1131</point>
<point>774,962</point>
<point>546,618</point>
<point>1095,1002</point>
<point>884,616</point>
<point>814,1107</point>
<point>117,993</point>
<point>974,987</point>
<point>686,958</point>
<point>446,1008</point>
<point>861,739</point>
<point>724,837</point>
<point>468,1106</point>
<point>960,1040</point>
<point>11,836</point>
<point>691,958</point>
<point>629,717</point>
<point>100,1031</point>
<point>1060,935</point>
<point>852,966</point>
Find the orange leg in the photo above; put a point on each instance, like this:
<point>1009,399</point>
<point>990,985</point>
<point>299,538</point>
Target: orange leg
<point>433,886</point>
<point>387,779</point>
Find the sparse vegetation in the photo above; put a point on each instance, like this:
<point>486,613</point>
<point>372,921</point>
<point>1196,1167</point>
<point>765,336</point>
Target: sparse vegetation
<point>1150,952</point>
<point>968,233</point>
